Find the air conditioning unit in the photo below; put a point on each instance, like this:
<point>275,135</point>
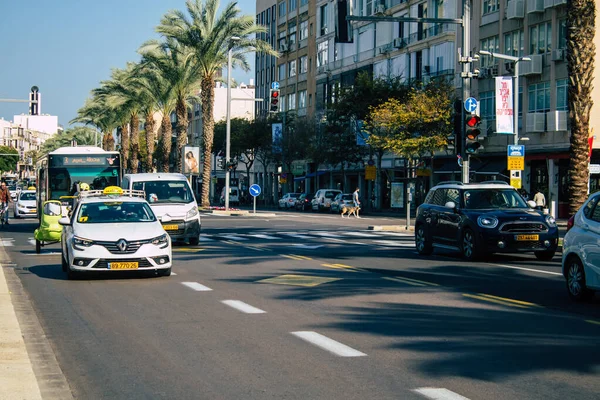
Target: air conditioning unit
<point>536,122</point>
<point>380,9</point>
<point>535,6</point>
<point>322,69</point>
<point>385,49</point>
<point>515,9</point>
<point>533,67</point>
<point>283,47</point>
<point>558,55</point>
<point>557,121</point>
<point>399,43</point>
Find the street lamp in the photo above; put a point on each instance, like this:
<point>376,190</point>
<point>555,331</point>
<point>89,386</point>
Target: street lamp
<point>228,131</point>
<point>516,60</point>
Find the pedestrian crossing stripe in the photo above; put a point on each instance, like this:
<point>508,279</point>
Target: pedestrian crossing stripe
<point>299,280</point>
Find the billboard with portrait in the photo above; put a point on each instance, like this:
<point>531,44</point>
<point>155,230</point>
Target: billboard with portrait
<point>191,160</point>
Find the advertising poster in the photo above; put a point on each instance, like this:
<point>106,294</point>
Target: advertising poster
<point>504,104</point>
<point>397,195</point>
<point>191,155</point>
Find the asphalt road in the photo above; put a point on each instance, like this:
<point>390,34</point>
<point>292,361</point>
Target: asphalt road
<point>309,306</point>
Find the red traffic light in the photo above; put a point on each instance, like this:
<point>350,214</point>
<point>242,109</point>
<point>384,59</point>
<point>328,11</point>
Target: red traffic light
<point>473,120</point>
<point>274,94</point>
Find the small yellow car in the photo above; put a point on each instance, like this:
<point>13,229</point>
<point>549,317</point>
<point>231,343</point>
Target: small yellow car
<point>49,231</point>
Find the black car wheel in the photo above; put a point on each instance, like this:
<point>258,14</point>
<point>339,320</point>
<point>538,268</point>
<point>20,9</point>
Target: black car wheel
<point>546,255</point>
<point>194,240</point>
<point>38,246</point>
<point>575,275</point>
<point>65,264</point>
<point>164,272</point>
<point>468,245</point>
<point>422,242</point>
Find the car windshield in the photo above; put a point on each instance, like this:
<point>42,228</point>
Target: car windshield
<point>347,197</point>
<point>330,195</point>
<point>294,195</point>
<point>115,211</point>
<point>479,199</point>
<point>164,192</point>
<point>27,196</point>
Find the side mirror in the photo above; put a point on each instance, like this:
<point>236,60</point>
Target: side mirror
<point>64,221</point>
<point>166,218</point>
<point>531,203</point>
<point>450,204</point>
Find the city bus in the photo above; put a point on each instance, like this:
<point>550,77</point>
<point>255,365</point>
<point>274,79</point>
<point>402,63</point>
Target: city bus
<point>60,171</point>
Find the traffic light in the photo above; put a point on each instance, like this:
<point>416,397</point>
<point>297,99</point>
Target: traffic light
<point>454,139</point>
<point>274,101</point>
<point>220,161</point>
<point>472,131</point>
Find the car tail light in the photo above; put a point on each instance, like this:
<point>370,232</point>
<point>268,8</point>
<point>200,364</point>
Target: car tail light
<point>570,223</point>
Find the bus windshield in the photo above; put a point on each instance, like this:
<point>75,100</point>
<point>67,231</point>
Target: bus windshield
<point>65,181</point>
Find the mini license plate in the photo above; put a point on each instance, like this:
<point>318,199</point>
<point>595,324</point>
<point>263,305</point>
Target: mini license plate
<point>524,238</point>
<point>123,265</point>
<point>32,211</point>
<point>170,227</point>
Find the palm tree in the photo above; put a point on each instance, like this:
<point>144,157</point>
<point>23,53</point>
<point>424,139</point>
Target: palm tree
<point>210,36</point>
<point>97,112</point>
<point>581,52</point>
<point>178,65</point>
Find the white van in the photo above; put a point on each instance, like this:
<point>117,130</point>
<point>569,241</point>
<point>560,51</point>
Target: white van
<point>234,195</point>
<point>170,194</point>
<point>323,198</point>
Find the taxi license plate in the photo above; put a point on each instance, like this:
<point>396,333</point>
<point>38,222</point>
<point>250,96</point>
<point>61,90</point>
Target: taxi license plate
<point>123,265</point>
<point>524,238</point>
<point>170,227</point>
<point>32,211</point>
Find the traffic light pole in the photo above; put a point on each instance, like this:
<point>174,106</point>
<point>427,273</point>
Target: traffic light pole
<point>466,25</point>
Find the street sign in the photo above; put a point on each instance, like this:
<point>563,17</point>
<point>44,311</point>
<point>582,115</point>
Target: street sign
<point>254,190</point>
<point>516,163</point>
<point>515,179</point>
<point>471,104</point>
<point>275,85</point>
<point>515,151</point>
<point>594,169</point>
<point>371,162</point>
<point>370,172</point>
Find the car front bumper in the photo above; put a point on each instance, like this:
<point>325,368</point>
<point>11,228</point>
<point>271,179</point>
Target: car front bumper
<point>98,258</point>
<point>497,242</point>
<point>181,230</point>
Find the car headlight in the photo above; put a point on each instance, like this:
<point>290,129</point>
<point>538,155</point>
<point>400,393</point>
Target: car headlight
<point>192,213</point>
<point>161,241</point>
<point>550,220</point>
<point>487,222</point>
<point>81,243</point>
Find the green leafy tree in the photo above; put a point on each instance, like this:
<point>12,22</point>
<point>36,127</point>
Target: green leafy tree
<point>99,113</point>
<point>83,135</point>
<point>210,36</point>
<point>8,162</point>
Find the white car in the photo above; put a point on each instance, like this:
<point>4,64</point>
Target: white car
<point>288,200</point>
<point>114,230</point>
<point>581,251</point>
<point>25,205</point>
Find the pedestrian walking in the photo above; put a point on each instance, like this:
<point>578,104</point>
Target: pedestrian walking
<point>355,198</point>
<point>540,200</point>
<point>4,200</point>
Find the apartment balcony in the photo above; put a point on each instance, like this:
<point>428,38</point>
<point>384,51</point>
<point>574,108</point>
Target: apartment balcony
<point>535,6</point>
<point>536,122</point>
<point>556,121</point>
<point>516,9</point>
<point>533,67</point>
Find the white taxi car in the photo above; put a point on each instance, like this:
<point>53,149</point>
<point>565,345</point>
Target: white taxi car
<point>114,230</point>
<point>25,205</point>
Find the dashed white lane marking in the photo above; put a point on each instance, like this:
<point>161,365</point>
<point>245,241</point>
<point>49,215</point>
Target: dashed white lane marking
<point>263,236</point>
<point>173,273</point>
<point>326,234</point>
<point>526,269</point>
<point>328,344</point>
<point>243,307</point>
<point>361,234</point>
<point>7,242</point>
<point>296,235</point>
<point>31,242</point>
<point>196,286</point>
<point>439,394</point>
<point>394,243</point>
<point>234,237</point>
<point>387,233</point>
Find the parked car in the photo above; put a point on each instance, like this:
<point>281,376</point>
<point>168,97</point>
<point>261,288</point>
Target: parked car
<point>26,204</point>
<point>323,198</point>
<point>234,196</point>
<point>581,251</point>
<point>483,218</point>
<point>288,200</point>
<point>303,202</point>
<point>340,201</point>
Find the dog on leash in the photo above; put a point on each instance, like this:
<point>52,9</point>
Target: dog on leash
<point>350,210</point>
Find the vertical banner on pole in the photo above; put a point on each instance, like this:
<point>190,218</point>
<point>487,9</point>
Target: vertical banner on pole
<point>504,105</point>
<point>277,132</point>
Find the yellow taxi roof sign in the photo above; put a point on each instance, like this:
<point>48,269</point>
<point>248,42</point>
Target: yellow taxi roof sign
<point>31,188</point>
<point>113,190</point>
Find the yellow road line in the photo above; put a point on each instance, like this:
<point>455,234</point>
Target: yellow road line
<point>342,267</point>
<point>495,301</point>
<point>521,302</point>
<point>350,267</point>
<point>591,321</point>
<point>301,257</point>
<point>403,281</point>
<point>290,256</point>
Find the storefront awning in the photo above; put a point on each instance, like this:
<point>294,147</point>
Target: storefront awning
<point>311,175</point>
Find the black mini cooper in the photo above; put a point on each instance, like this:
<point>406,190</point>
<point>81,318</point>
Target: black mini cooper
<point>483,218</point>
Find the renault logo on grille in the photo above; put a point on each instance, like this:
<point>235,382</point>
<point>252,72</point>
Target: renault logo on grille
<point>122,244</point>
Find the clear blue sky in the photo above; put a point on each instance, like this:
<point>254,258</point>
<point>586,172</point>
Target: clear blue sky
<point>67,47</point>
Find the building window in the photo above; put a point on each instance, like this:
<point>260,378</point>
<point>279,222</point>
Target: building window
<point>540,38</point>
<point>561,95</point>
<point>292,68</point>
<point>293,4</point>
<point>303,30</point>
<point>302,99</point>
<point>539,97</point>
<point>323,20</point>
<point>488,105</point>
<point>514,44</point>
<point>490,6</point>
<point>562,34</point>
<point>291,100</point>
<point>282,9</point>
<point>369,8</point>
<point>292,35</point>
<point>322,54</point>
<point>282,41</point>
<point>303,64</point>
<point>281,71</point>
<point>303,2</point>
<point>491,44</point>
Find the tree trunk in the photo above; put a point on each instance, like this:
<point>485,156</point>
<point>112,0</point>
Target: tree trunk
<point>580,64</point>
<point>108,141</point>
<point>125,146</point>
<point>135,142</point>
<point>150,137</point>
<point>207,95</point>
<point>166,133</point>
<point>182,128</point>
